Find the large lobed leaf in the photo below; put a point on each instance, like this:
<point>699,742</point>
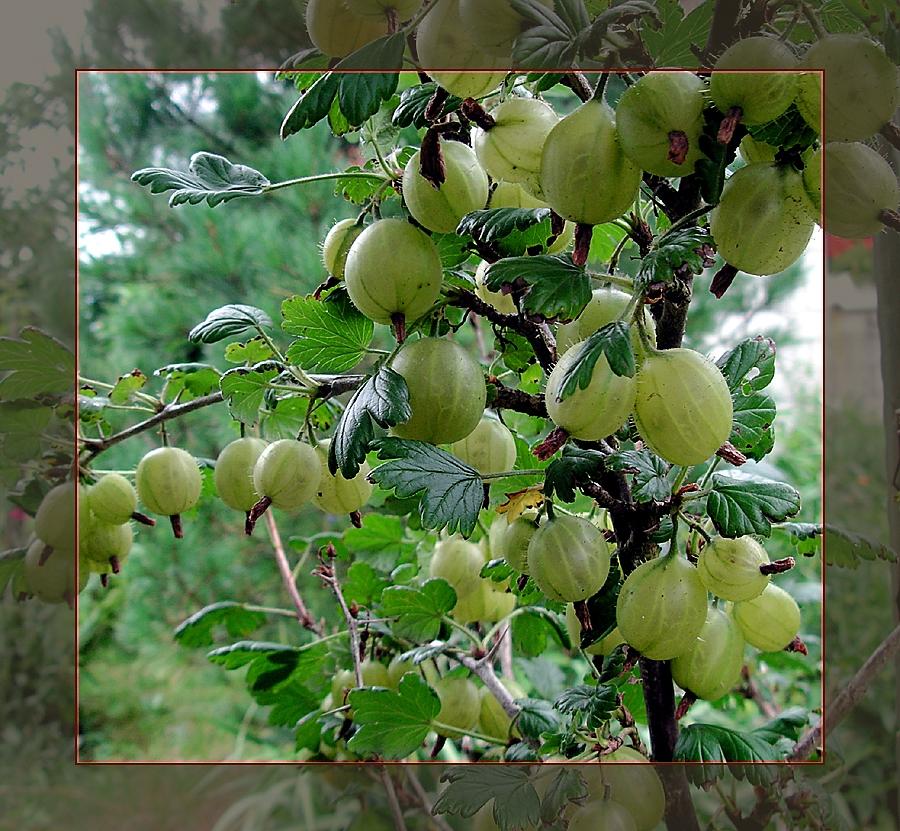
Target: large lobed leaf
<point>612,341</point>
<point>747,504</point>
<point>556,287</point>
<point>331,335</point>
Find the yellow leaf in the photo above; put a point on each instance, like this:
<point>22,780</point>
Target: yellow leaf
<point>520,501</point>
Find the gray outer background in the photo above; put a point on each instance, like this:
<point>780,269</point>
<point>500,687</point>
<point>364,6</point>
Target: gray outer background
<point>158,798</point>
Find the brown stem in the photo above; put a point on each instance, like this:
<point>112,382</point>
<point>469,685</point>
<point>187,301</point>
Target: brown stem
<point>329,577</point>
<point>398,322</point>
<point>891,219</point>
<point>143,519</point>
<point>177,528</point>
<point>577,82</point>
<point>505,398</point>
<point>778,566</point>
<point>472,110</point>
<point>287,577</point>
<point>725,276</point>
<point>393,802</point>
<point>729,125</point>
<point>687,701</point>
<point>255,513</point>
<point>891,132</point>
<point>679,146</point>
<point>659,693</point>
<point>583,235</point>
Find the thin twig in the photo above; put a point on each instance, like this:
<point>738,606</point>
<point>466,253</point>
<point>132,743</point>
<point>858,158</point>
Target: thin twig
<point>485,672</point>
<point>393,802</point>
<point>424,800</point>
<point>303,615</point>
<point>329,576</point>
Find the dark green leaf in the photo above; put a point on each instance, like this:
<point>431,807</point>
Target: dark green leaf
<point>750,366</point>
<point>418,610</point>
<point>670,43</point>
<point>234,319</point>
<point>488,226</point>
<point>332,336</point>
<point>238,621</point>
<point>452,492</point>
<point>363,585</point>
<point>312,106</point>
<point>753,432</point>
<point>360,93</point>
<point>749,504</point>
<point>846,549</point>
<point>675,250</point>
<point>529,634</point>
<point>602,608</point>
<point>382,400</point>
<point>244,390</point>
<point>651,474</point>
<point>22,424</point>
<point>806,537</point>
<point>393,724</point>
<point>612,341</point>
<point>36,364</point>
<point>786,726</point>
<point>414,102</point>
<point>575,467</point>
<point>567,787</point>
<point>236,655</point>
<point>715,746</point>
<point>209,177</point>
<point>788,131</point>
<point>549,41</point>
<point>516,803</point>
<point>379,534</point>
<point>536,716</point>
<point>593,704</point>
<point>556,287</point>
<point>452,249</point>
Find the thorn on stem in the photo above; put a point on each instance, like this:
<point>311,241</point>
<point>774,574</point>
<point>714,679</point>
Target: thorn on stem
<point>256,513</point>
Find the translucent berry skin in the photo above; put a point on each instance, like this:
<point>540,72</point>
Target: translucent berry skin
<point>393,268</point>
<point>595,412</point>
<point>661,607</point>
<point>606,305</point>
<point>492,718</point>
<point>862,89</point>
<point>498,602</point>
<point>658,104</point>
<point>489,448</point>
<point>104,541</point>
<point>730,568</point>
<point>711,667</point>
<point>54,580</point>
<point>404,9</point>
<point>602,647</point>
<point>54,522</point>
<point>768,622</point>
<point>683,408</point>
<point>287,472</point>
<point>374,674</point>
<point>568,559</point>
<point>460,705</point>
<point>447,392</point>
<point>860,184</point>
<point>337,245</point>
<point>337,495</point>
<point>234,473</point>
<point>336,31</point>
<point>764,220</point>
<point>512,195</point>
<point>632,782</point>
<point>458,562</point>
<point>511,150</point>
<point>602,816</point>
<point>168,481</point>
<point>112,499</point>
<point>762,97</point>
<point>503,303</point>
<point>450,56</point>
<point>494,25</point>
<point>397,669</point>
<point>465,189</point>
<point>510,540</point>
<point>585,175</point>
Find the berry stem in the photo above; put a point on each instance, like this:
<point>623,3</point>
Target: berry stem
<point>729,125</point>
<point>255,513</point>
<point>778,566</point>
<point>143,519</point>
<point>177,530</point>
<point>679,146</point>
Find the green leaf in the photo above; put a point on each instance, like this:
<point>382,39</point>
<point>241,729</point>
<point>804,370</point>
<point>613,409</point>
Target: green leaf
<point>556,287</point>
<point>210,177</point>
<point>285,420</point>
<point>391,724</point>
<point>687,247</point>
<point>22,424</point>
<point>379,533</point>
<point>536,716</point>
<point>806,537</point>
<point>360,93</point>
<point>670,43</point>
<point>753,432</point>
<point>786,726</point>
<point>712,166</point>
<point>413,103</point>
<point>238,621</point>
<point>332,336</point>
<point>188,381</point>
<point>312,106</point>
<point>516,803</point>
<point>358,190</point>
<point>244,390</point>
<point>845,549</point>
<point>452,492</point>
<point>529,634</point>
<point>549,41</point>
<point>233,319</point>
<point>715,745</point>
<point>36,364</point>
<point>382,400</point>
<point>749,504</point>
<point>612,341</point>
<point>488,226</point>
<point>594,704</point>
<point>11,565</point>
<point>126,386</point>
<point>363,585</point>
<point>788,131</point>
<point>575,467</point>
<point>418,610</point>
<point>567,787</point>
<point>652,481</point>
<point>252,352</point>
<point>750,366</point>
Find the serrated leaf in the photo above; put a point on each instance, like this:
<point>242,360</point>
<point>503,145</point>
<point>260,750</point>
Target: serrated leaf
<point>380,533</point>
<point>745,505</point>
<point>670,43</point>
<point>188,381</point>
<point>567,787</point>
<point>846,549</point>
<point>517,503</point>
<point>35,364</point>
<point>244,391</point>
<point>750,366</point>
<point>285,420</point>
<point>382,400</point>
<point>786,726</point>
<point>393,725</point>
<point>806,537</point>
<point>360,93</point>
<point>332,335</point>
<point>252,352</point>
<point>418,610</point>
<point>556,287</point>
<point>126,386</point>
<point>451,492</point>
<point>753,432</point>
<point>711,743</point>
<point>413,103</point>
<point>210,177</point>
<point>681,248</point>
<point>536,716</point>
<point>652,480</point>
<point>226,321</point>
<point>11,565</point>
<point>529,634</point>
<point>548,43</point>
<point>788,131</point>
<point>312,106</point>
<point>363,585</point>
<point>470,788</point>
<point>22,424</point>
<point>594,704</point>
<point>613,342</point>
<point>488,226</point>
<point>575,467</point>
<point>238,621</point>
